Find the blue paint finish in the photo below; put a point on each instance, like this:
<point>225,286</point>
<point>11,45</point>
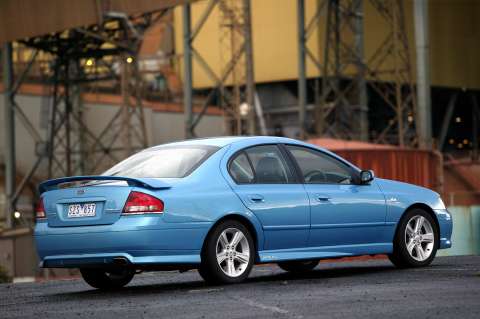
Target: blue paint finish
<point>324,252</point>
<point>352,214</point>
<point>291,221</point>
<point>400,196</point>
<point>284,213</point>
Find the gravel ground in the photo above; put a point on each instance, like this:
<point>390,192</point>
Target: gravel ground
<point>449,288</point>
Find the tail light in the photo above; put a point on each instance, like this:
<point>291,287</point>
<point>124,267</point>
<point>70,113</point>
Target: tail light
<point>40,210</point>
<point>141,203</point>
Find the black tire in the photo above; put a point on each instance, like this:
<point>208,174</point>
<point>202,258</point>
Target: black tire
<point>110,279</point>
<point>400,256</point>
<point>298,266</point>
<point>209,269</point>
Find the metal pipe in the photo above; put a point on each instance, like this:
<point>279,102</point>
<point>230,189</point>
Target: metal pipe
<point>9,129</point>
<point>187,71</point>
<point>362,83</point>
<point>424,111</point>
<point>302,81</point>
<point>250,75</point>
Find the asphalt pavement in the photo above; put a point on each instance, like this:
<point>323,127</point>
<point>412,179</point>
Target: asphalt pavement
<point>449,288</point>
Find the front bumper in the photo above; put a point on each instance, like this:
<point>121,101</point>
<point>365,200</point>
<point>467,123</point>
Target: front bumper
<point>137,240</point>
<point>446,225</point>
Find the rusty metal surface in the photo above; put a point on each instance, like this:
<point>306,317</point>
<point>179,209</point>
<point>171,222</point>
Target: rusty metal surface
<point>419,167</point>
<point>27,18</point>
<point>411,166</point>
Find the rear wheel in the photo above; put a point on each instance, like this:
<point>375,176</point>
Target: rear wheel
<point>298,266</point>
<point>228,255</point>
<point>416,241</point>
<point>107,279</point>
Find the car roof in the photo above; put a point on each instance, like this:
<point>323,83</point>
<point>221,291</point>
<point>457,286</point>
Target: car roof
<point>222,141</point>
<point>246,141</point>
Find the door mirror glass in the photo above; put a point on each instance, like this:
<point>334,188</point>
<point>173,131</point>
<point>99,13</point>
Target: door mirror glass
<point>366,176</point>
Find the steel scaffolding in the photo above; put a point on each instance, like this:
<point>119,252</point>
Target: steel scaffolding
<point>71,147</point>
<point>341,101</point>
<point>234,88</point>
<point>391,76</point>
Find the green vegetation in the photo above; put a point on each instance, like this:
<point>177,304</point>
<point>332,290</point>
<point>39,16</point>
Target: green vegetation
<point>4,277</point>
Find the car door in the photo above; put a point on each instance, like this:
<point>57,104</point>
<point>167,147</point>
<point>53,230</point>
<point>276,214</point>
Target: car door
<point>267,185</point>
<point>342,212</point>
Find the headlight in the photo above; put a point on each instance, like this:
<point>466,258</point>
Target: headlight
<point>439,204</point>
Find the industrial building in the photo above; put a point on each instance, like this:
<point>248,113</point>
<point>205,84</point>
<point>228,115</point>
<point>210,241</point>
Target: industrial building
<point>389,84</point>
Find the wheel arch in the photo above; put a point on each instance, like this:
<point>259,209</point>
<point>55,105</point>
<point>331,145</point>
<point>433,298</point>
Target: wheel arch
<point>242,219</point>
<point>426,209</point>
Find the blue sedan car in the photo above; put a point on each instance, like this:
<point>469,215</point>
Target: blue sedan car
<point>221,205</point>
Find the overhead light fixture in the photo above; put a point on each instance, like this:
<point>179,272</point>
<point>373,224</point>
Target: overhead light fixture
<point>244,109</point>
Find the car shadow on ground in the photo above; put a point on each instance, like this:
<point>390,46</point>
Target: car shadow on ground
<point>277,278</point>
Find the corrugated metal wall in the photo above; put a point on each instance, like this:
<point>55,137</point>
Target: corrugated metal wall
<point>412,166</point>
<point>419,167</point>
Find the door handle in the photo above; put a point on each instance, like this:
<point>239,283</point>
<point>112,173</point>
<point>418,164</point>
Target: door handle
<point>322,198</point>
<point>256,198</point>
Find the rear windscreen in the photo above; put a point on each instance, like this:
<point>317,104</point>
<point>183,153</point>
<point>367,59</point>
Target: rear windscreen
<point>163,162</point>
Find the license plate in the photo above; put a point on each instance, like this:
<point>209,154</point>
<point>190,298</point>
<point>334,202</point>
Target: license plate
<point>81,210</point>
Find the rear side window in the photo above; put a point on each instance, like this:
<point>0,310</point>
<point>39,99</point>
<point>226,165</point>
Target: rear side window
<point>163,162</point>
<point>262,164</point>
<point>240,170</point>
<point>269,165</point>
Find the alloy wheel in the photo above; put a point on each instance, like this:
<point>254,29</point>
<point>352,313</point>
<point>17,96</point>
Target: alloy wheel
<point>233,252</point>
<point>419,238</point>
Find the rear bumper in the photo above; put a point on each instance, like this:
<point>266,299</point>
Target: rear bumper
<point>136,240</point>
<point>446,225</point>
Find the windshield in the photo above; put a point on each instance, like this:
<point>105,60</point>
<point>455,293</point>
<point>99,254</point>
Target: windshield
<point>163,162</point>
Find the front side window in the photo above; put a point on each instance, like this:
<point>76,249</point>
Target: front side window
<point>163,162</point>
<point>269,165</point>
<point>319,168</point>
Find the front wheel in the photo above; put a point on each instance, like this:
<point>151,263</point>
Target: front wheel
<point>107,279</point>
<point>415,243</point>
<point>228,255</point>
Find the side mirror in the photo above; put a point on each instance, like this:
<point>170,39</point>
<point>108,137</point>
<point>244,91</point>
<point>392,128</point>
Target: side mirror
<point>366,176</point>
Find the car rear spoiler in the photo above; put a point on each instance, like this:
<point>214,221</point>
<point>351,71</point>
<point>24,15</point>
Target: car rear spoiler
<point>152,183</point>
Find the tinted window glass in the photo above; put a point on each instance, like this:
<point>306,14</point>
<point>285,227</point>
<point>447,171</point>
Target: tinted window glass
<point>320,168</point>
<point>269,165</point>
<point>240,169</point>
<point>167,161</point>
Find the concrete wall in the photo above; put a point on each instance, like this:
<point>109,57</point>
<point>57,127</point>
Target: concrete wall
<point>466,231</point>
<point>161,127</point>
